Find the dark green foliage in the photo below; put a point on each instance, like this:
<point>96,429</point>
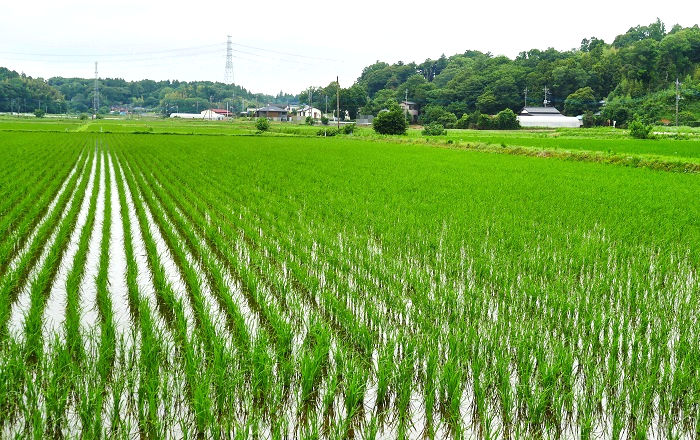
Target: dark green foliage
<point>434,129</point>
<point>309,120</point>
<point>324,120</point>
<point>262,124</point>
<point>640,130</point>
<point>349,128</point>
<point>484,122</point>
<point>391,121</point>
<point>506,120</point>
<point>327,132</point>
<point>39,113</point>
<point>580,101</point>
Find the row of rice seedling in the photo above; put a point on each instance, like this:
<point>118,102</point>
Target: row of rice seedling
<point>487,310</point>
<point>400,292</point>
<point>19,271</point>
<point>203,250</point>
<point>220,227</point>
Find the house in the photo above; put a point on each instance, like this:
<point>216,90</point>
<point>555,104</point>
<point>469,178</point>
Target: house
<point>211,115</point>
<point>548,117</point>
<point>222,111</point>
<point>411,108</point>
<point>272,113</point>
<point>303,112</point>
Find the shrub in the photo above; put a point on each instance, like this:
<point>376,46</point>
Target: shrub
<point>463,122</point>
<point>640,130</point>
<point>83,116</point>
<point>262,124</point>
<point>349,128</point>
<point>324,120</point>
<point>309,120</point>
<point>448,120</point>
<point>39,113</point>
<point>484,122</point>
<point>434,129</point>
<point>327,132</point>
<point>506,120</point>
<point>391,121</point>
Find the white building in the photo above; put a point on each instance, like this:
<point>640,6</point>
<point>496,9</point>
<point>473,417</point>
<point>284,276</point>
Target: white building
<point>211,115</point>
<point>547,117</point>
<point>309,111</point>
<point>186,115</point>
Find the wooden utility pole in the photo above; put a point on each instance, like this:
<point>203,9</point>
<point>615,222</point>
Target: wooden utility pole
<point>337,99</point>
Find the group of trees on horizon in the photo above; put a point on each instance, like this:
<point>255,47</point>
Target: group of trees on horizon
<point>633,76</point>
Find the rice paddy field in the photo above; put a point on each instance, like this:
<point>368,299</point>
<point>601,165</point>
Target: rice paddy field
<point>172,286</point>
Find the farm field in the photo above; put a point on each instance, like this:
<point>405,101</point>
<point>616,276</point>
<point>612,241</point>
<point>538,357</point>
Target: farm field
<point>598,140</point>
<point>301,287</point>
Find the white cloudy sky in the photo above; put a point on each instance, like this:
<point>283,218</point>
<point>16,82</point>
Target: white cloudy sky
<point>291,45</point>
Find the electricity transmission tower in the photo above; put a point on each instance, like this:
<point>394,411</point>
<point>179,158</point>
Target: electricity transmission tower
<point>96,95</point>
<point>228,73</point>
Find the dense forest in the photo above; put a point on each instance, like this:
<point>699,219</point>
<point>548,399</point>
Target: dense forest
<point>19,92</point>
<point>634,75</point>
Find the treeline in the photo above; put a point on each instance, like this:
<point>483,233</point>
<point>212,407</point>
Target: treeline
<point>21,93</point>
<point>633,75</point>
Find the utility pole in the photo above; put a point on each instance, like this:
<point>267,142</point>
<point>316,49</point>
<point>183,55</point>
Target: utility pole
<point>678,97</point>
<point>337,98</point>
<point>546,92</point>
<point>525,96</point>
<point>96,97</point>
<point>228,73</point>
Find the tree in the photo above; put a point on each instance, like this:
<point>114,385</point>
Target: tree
<point>39,113</point>
<point>262,124</point>
<point>392,121</point>
<point>506,120</point>
<point>580,101</point>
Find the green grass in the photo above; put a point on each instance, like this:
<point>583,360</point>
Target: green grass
<point>401,290</point>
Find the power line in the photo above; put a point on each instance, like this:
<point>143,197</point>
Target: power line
<point>107,55</point>
<point>288,53</point>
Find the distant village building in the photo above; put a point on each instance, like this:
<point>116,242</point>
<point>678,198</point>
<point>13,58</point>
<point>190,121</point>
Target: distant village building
<point>212,115</point>
<point>548,117</point>
<point>272,113</point>
<point>186,115</point>
<point>222,112</point>
<point>305,111</point>
<point>411,108</point>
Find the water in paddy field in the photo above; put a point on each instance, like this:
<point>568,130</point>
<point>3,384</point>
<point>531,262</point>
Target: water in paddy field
<point>117,262</point>
<point>21,306</point>
<point>89,315</point>
<point>172,273</point>
<point>54,313</point>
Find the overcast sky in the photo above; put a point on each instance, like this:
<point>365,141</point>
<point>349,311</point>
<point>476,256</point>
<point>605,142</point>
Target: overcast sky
<point>291,45</point>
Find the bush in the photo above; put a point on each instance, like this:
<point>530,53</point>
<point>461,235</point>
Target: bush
<point>640,130</point>
<point>83,116</point>
<point>448,120</point>
<point>39,113</point>
<point>434,129</point>
<point>324,120</point>
<point>327,132</point>
<point>391,121</point>
<point>484,122</point>
<point>463,122</point>
<point>506,120</point>
<point>309,120</point>
<point>262,124</point>
<point>349,128</point>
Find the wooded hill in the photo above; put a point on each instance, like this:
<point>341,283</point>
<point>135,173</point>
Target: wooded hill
<point>633,75</point>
